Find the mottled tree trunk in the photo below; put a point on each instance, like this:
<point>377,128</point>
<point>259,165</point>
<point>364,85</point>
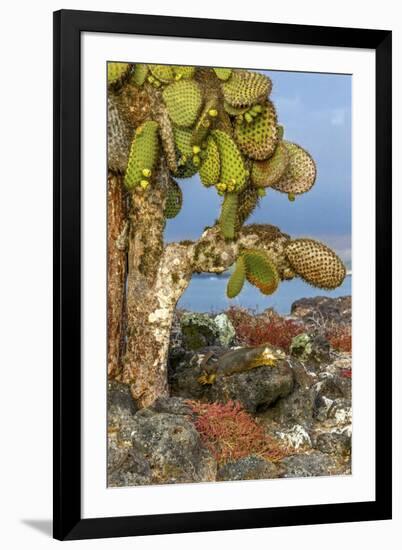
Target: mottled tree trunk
<point>116,221</point>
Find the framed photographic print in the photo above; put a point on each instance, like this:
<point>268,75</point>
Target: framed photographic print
<point>222,189</point>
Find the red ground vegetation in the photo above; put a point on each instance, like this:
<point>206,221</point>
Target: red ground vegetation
<point>267,328</point>
<point>230,433</point>
<point>340,337</point>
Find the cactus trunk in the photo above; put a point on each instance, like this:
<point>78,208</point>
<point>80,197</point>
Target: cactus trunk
<point>116,219</point>
<point>157,276</point>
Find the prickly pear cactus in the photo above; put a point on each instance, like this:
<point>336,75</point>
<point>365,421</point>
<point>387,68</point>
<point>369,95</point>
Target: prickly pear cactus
<point>222,124</point>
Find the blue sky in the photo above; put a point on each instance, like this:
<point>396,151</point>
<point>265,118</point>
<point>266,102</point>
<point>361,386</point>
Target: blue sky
<point>315,110</point>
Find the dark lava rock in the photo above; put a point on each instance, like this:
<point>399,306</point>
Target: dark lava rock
<point>255,389</point>
<point>309,465</point>
<point>120,409</point>
<point>171,405</point>
<point>311,348</point>
<point>125,468</point>
<point>323,308</point>
<point>337,442</point>
<point>171,447</point>
<point>249,467</point>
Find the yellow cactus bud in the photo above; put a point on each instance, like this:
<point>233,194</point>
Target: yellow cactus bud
<point>146,172</point>
<point>144,184</point>
<point>261,192</point>
<point>196,160</point>
<point>221,186</point>
<point>178,76</point>
<point>291,197</point>
<point>213,113</point>
<point>196,149</point>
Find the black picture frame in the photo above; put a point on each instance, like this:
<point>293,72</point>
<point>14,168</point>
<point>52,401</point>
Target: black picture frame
<point>68,522</point>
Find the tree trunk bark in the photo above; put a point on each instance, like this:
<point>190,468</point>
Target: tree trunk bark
<point>117,261</point>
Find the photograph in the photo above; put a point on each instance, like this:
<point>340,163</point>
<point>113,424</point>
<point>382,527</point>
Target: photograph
<point>229,274</point>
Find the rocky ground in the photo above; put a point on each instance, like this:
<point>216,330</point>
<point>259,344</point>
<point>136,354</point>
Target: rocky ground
<point>289,418</point>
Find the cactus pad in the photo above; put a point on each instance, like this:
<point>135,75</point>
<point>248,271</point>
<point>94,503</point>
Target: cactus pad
<point>183,72</point>
<point>244,88</point>
<point>143,155</point>
<point>117,72</point>
<point>265,173</point>
<point>211,166</point>
<point>174,199</point>
<point>139,74</point>
<point>227,218</point>
<point>260,271</point>
<point>259,138</point>
<point>248,201</point>
<point>183,100</point>
<point>300,174</point>
<point>233,169</point>
<point>163,73</point>
<point>315,263</point>
<point>236,281</point>
<point>206,121</point>
<point>222,73</point>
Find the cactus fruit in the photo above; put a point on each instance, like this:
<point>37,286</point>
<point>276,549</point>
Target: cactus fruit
<point>248,200</point>
<point>211,167</point>
<point>244,88</point>
<point>315,263</point>
<point>139,74</point>
<point>233,169</point>
<point>227,218</point>
<point>144,153</point>
<point>183,72</point>
<point>236,281</point>
<point>265,173</point>
<point>183,100</point>
<point>260,271</point>
<point>163,73</point>
<point>174,199</point>
<point>258,140</point>
<point>300,174</point>
<point>222,73</point>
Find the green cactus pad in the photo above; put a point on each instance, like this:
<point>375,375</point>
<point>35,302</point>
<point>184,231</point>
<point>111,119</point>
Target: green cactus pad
<point>183,72</point>
<point>183,100</point>
<point>233,169</point>
<point>117,72</point>
<point>139,74</point>
<point>248,201</point>
<point>222,73</point>
<point>234,111</point>
<point>174,199</point>
<point>227,218</point>
<point>314,262</point>
<point>205,122</point>
<point>143,155</point>
<point>300,174</point>
<point>245,88</point>
<point>236,281</point>
<point>211,167</point>
<point>265,173</point>
<point>163,73</point>
<point>182,138</point>
<point>259,138</point>
<point>261,271</point>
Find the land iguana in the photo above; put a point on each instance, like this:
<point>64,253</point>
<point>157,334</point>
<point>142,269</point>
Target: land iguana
<point>238,360</point>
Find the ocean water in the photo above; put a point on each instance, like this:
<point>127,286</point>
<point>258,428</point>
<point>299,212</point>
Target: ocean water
<point>208,293</point>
